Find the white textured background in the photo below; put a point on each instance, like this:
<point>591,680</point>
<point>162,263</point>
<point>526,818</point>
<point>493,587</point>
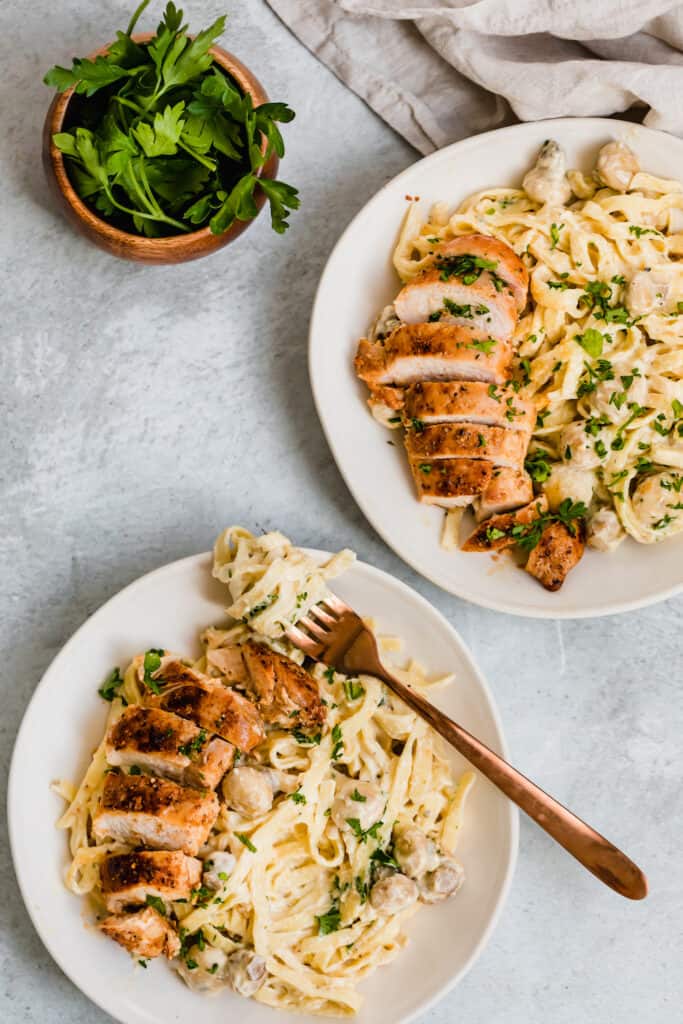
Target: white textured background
<point>143,409</point>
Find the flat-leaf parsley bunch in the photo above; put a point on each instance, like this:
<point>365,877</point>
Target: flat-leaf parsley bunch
<point>163,141</point>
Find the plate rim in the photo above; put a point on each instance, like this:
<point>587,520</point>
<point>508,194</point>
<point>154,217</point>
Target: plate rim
<point>13,817</point>
<point>538,611</point>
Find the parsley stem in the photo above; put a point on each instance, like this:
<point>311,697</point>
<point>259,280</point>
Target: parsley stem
<point>136,14</point>
<point>206,161</point>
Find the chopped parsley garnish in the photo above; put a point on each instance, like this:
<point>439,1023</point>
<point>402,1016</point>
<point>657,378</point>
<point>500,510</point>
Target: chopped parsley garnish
<point>246,841</point>
<point>329,922</point>
<point>537,466</point>
<point>594,374</point>
<point>527,535</point>
<point>486,347</point>
<point>436,315</point>
<point>600,448</point>
<point>675,483</point>
<point>562,284</point>
<point>135,770</point>
<point>596,297</point>
<point>194,745</point>
<point>358,797</point>
<point>663,522</point>
<point>466,310</point>
<point>202,895</point>
<point>353,689</point>
<point>384,858</point>
<point>111,684</point>
<point>191,965</point>
<point>568,453</point>
<point>306,740</point>
<point>481,441</point>
<point>338,741</point>
<point>425,467</point>
<point>619,279</point>
<point>635,229</point>
<point>592,341</point>
<point>152,663</point>
<point>157,903</point>
<point>260,607</point>
<point>465,266</point>
<point>492,392</point>
<point>362,834</point>
<point>329,675</point>
<point>361,888</point>
<point>297,796</point>
<point>417,425</point>
<point>555,234</point>
<point>493,534</point>
<point>300,598</point>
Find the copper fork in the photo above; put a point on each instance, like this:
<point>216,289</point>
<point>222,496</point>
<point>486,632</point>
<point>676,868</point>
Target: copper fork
<point>337,636</point>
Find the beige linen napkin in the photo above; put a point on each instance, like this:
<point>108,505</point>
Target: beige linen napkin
<point>440,71</point>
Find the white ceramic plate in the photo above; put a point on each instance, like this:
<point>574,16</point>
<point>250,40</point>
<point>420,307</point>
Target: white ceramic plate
<point>359,280</point>
<point>65,720</point>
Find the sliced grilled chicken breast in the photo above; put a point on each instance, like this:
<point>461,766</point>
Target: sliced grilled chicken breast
<point>509,489</point>
<point>146,810</point>
<point>286,693</point>
<point>209,704</point>
<point>555,555</point>
<point>453,401</point>
<point>435,351</point>
<point>145,934</point>
<point>450,483</point>
<point>495,533</point>
<point>480,304</point>
<point>467,441</point>
<point>165,744</point>
<point>507,266</point>
<point>127,879</point>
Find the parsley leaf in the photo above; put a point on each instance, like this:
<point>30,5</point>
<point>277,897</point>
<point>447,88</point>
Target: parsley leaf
<point>108,689</point>
<point>329,922</point>
<point>246,841</point>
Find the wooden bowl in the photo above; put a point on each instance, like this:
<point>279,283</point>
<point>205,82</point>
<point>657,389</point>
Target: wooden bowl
<point>172,249</point>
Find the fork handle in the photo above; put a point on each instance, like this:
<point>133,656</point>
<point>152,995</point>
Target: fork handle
<point>591,849</point>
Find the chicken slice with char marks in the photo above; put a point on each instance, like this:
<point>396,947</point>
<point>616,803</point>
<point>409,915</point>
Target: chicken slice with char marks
<point>145,934</point>
<point>480,304</point>
<point>454,401</point>
<point>508,266</point>
<point>467,441</point>
<point>417,352</point>
<point>495,533</point>
<point>129,878</point>
<point>149,811</point>
<point>165,744</point>
<point>450,483</point>
<point>286,693</point>
<point>556,554</point>
<point>508,490</point>
<point>209,704</point>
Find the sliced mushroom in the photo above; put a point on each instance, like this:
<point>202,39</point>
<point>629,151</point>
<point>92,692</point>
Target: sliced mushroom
<point>246,972</point>
<point>565,481</point>
<point>654,503</point>
<point>578,447</point>
<point>219,863</point>
<point>394,894</point>
<point>616,166</point>
<point>605,531</point>
<point>414,852</point>
<point>357,799</point>
<point>203,970</point>
<point>648,292</point>
<point>443,882</point>
<point>248,791</point>
<point>546,182</point>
